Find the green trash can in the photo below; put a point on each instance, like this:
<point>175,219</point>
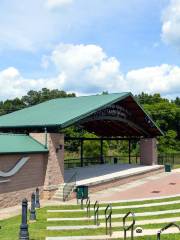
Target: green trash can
<point>167,167</point>
<point>82,191</point>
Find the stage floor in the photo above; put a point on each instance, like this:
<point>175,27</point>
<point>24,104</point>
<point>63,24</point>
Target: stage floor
<point>103,173</point>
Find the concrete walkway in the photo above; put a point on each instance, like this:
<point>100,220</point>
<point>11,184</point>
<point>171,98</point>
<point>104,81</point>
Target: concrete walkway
<point>6,213</point>
<point>115,235</point>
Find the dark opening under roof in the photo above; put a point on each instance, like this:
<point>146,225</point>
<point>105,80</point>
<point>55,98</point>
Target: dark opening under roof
<point>115,114</point>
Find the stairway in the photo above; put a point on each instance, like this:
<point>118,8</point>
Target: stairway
<point>58,196</point>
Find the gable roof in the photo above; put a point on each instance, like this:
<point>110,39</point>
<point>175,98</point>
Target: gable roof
<point>64,112</point>
<point>20,143</point>
<point>59,112</point>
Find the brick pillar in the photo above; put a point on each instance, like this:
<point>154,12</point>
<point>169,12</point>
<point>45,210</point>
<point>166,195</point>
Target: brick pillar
<point>148,151</point>
<point>54,175</point>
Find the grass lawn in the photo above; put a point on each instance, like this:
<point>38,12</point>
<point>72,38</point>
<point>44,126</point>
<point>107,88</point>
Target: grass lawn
<point>37,230</point>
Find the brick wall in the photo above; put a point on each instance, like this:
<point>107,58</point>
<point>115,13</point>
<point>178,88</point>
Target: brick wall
<point>24,182</point>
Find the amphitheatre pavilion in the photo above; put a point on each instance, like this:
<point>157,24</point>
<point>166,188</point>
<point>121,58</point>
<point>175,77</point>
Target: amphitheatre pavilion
<point>32,143</point>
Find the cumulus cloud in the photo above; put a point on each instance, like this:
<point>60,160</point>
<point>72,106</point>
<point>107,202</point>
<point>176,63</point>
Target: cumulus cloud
<point>164,79</point>
<point>57,3</point>
<point>86,69</point>
<point>13,84</point>
<point>171,23</point>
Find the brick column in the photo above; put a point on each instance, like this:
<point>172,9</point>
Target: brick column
<point>148,151</point>
<point>54,175</point>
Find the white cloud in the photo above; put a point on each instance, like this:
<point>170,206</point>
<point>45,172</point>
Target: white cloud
<point>58,3</point>
<point>164,79</point>
<point>13,84</point>
<point>171,23</point>
<point>86,69</point>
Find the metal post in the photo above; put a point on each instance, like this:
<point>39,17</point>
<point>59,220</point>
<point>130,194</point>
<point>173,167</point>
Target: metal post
<point>158,236</point>
<point>32,210</point>
<point>124,234</point>
<point>37,205</point>
<point>24,234</point>
<point>129,146</point>
<point>101,156</point>
<point>81,149</point>
<point>132,233</point>
<point>45,132</point>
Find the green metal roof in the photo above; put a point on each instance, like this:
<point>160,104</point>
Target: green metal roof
<point>61,112</point>
<point>19,143</point>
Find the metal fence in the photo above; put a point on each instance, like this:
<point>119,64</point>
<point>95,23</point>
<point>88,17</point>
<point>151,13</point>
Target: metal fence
<point>123,159</point>
<point>163,158</point>
<point>171,158</point>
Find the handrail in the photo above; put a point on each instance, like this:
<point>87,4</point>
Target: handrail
<point>130,227</point>
<point>108,217</point>
<point>96,213</point>
<point>88,207</point>
<point>82,199</point>
<point>69,186</point>
<point>165,228</point>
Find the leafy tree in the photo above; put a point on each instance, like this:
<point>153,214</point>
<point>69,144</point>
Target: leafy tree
<point>92,148</point>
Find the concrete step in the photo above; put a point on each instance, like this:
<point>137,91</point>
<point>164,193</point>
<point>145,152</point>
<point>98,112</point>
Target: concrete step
<point>59,195</point>
<point>119,207</point>
<point>116,235</point>
<point>118,215</point>
<point>114,224</point>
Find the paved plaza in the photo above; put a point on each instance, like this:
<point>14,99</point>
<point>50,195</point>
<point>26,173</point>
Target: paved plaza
<point>155,186</point>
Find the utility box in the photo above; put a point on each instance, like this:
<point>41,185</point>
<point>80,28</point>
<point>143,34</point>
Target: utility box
<point>82,192</point>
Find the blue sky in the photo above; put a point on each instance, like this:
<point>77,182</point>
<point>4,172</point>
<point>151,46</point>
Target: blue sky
<point>90,46</point>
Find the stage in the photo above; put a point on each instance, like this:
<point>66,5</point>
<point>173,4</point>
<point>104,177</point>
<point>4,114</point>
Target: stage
<point>98,177</point>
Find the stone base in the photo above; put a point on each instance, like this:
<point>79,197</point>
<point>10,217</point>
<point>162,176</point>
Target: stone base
<point>10,199</point>
<point>48,194</point>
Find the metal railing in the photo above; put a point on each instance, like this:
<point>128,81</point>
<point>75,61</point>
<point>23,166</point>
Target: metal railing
<point>96,213</point>
<point>108,218</point>
<point>165,228</point>
<point>172,158</point>
<point>82,201</point>
<point>69,186</point>
<point>130,227</point>
<point>88,207</point>
<point>122,159</point>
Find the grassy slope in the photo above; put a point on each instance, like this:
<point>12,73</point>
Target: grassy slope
<point>10,227</point>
